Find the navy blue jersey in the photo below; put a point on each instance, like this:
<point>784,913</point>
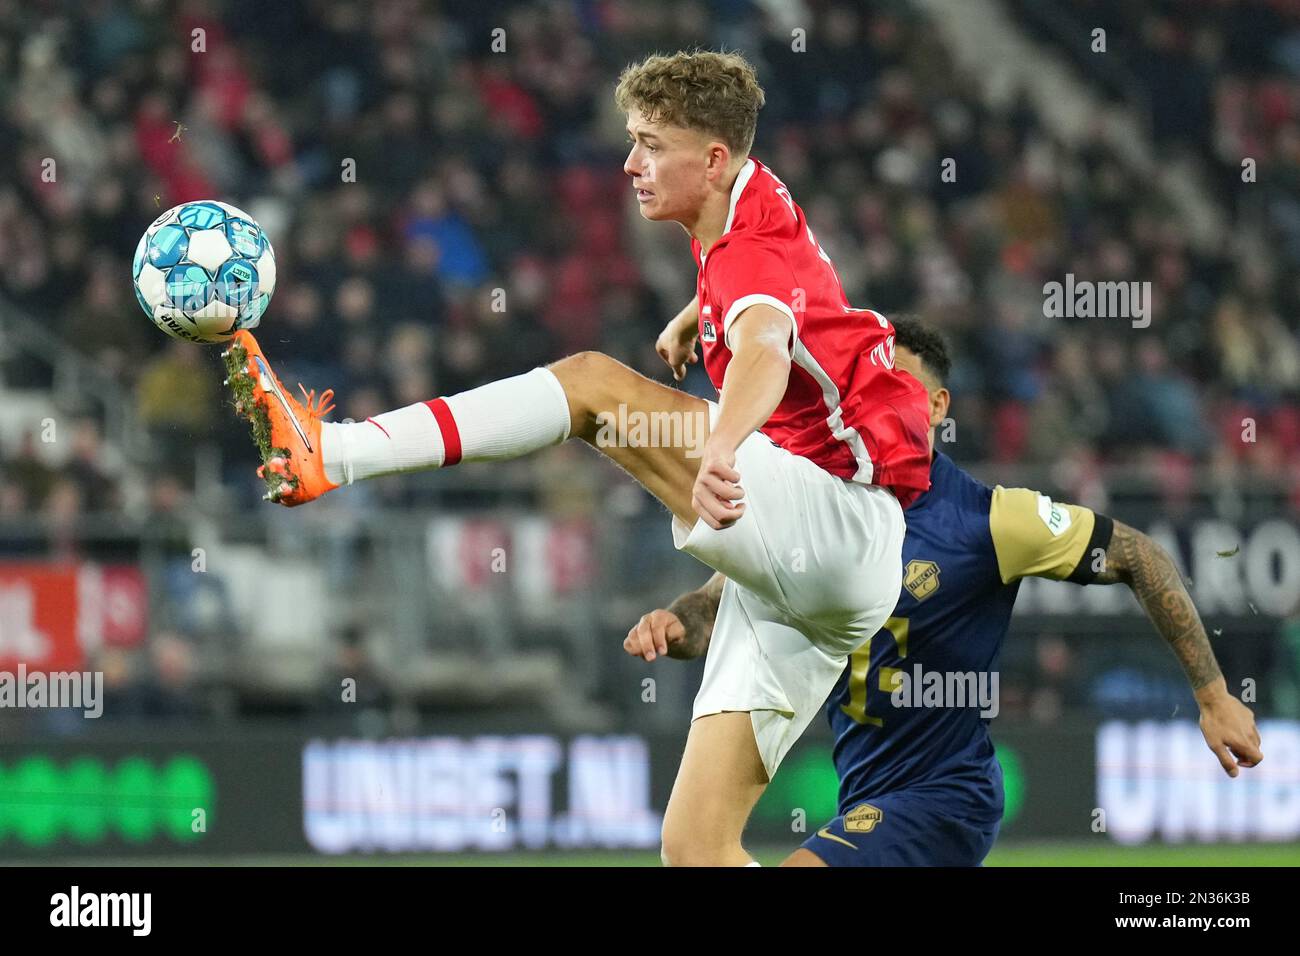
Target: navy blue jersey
<point>966,549</point>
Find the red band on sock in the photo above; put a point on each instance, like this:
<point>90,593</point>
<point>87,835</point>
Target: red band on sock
<point>450,433</point>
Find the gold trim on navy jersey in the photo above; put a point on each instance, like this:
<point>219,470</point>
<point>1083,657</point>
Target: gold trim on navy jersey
<point>1034,536</point>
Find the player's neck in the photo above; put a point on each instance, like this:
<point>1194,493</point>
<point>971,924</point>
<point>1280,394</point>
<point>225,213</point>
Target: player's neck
<point>712,220</point>
<point>709,226</point>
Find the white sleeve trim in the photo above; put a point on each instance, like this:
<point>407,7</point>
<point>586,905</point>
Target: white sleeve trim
<point>745,301</point>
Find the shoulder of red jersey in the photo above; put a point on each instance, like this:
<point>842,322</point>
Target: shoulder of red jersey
<point>751,261</point>
<point>761,208</point>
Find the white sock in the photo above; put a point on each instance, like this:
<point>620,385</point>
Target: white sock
<point>503,419</point>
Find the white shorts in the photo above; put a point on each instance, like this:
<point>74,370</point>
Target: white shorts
<point>814,568</point>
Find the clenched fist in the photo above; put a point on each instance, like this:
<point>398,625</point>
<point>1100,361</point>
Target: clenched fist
<point>676,346</point>
<point>654,634</point>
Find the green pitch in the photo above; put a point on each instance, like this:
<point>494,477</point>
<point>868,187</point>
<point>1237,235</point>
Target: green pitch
<point>1109,854</point>
<point>1010,854</point>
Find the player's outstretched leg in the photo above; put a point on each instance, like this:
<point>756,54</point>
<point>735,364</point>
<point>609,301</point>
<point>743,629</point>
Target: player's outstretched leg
<point>654,432</point>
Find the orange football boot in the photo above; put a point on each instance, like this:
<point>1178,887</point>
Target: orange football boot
<point>286,432</point>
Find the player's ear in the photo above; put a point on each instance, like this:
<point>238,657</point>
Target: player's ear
<point>719,159</point>
<point>940,399</point>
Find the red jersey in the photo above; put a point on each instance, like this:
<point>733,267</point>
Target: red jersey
<point>845,407</point>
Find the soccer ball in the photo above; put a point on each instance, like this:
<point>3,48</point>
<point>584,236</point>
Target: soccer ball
<point>203,271</point>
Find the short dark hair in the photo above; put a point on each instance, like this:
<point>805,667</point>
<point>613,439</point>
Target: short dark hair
<point>926,342</point>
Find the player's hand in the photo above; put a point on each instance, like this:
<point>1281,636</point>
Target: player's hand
<point>716,493</point>
<point>676,346</point>
<point>1229,729</point>
<point>654,634</point>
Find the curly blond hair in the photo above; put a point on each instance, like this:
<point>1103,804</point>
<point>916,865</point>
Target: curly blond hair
<point>715,93</point>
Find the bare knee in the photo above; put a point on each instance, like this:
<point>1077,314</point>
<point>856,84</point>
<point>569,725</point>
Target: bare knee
<point>589,380</point>
<point>588,371</point>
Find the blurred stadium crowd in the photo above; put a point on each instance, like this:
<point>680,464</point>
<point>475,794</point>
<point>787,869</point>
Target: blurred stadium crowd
<point>490,227</point>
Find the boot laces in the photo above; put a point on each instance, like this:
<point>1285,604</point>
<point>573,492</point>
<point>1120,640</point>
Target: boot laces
<point>317,408</point>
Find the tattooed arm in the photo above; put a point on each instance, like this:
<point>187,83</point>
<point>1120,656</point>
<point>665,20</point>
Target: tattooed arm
<point>697,611</point>
<point>683,630</point>
<point>1132,558</point>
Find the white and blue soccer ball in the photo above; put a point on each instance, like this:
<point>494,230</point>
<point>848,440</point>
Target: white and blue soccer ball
<point>203,271</point>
